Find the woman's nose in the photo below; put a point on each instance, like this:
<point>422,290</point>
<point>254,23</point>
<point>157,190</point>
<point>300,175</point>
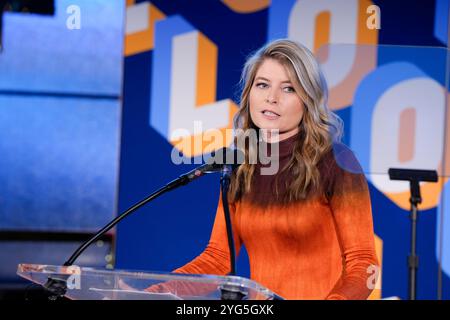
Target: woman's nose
<point>272,97</point>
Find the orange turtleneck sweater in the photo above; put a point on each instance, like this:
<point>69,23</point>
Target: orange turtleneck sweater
<point>318,248</point>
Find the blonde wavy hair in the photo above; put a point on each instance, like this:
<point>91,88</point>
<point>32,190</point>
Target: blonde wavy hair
<point>318,129</point>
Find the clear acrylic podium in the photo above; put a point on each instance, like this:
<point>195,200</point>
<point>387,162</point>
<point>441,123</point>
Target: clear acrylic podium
<point>82,283</point>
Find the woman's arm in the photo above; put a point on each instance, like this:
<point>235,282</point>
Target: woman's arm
<point>352,212</point>
<point>215,259</point>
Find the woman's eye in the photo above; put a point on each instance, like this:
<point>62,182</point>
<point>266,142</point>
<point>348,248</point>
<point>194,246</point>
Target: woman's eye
<point>261,85</point>
<point>289,89</point>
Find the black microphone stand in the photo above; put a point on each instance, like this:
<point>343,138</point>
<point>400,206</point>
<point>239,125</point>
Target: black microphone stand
<point>413,259</point>
<point>224,185</point>
<point>229,292</point>
<point>414,176</point>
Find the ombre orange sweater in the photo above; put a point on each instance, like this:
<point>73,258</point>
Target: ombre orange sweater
<point>318,248</point>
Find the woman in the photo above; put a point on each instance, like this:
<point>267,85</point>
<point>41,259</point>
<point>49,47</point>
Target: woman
<point>308,228</point>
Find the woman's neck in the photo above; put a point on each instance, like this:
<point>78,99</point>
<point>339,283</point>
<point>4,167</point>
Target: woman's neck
<point>274,136</point>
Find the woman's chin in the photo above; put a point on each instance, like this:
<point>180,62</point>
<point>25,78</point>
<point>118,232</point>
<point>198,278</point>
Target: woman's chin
<point>268,126</point>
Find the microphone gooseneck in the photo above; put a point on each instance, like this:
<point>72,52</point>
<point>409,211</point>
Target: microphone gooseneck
<point>214,164</point>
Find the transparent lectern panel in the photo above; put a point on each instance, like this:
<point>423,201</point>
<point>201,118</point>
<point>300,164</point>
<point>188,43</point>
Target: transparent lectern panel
<point>95,284</point>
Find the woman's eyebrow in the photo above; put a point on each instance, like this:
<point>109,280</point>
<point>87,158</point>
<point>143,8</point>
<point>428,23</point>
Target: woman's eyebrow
<point>265,79</point>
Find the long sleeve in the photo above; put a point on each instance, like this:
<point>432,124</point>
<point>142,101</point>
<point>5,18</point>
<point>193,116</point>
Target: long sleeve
<point>352,214</point>
<point>215,259</point>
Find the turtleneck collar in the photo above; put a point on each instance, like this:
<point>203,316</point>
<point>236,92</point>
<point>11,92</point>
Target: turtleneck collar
<point>285,147</point>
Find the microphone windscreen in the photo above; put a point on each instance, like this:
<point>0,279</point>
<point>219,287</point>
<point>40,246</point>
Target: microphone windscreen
<point>226,156</point>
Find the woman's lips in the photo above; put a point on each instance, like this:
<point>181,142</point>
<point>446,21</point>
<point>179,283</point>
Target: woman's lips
<point>270,115</point>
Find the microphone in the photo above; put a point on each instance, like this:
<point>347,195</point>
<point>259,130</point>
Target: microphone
<point>413,175</point>
<point>220,159</point>
<point>224,160</point>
